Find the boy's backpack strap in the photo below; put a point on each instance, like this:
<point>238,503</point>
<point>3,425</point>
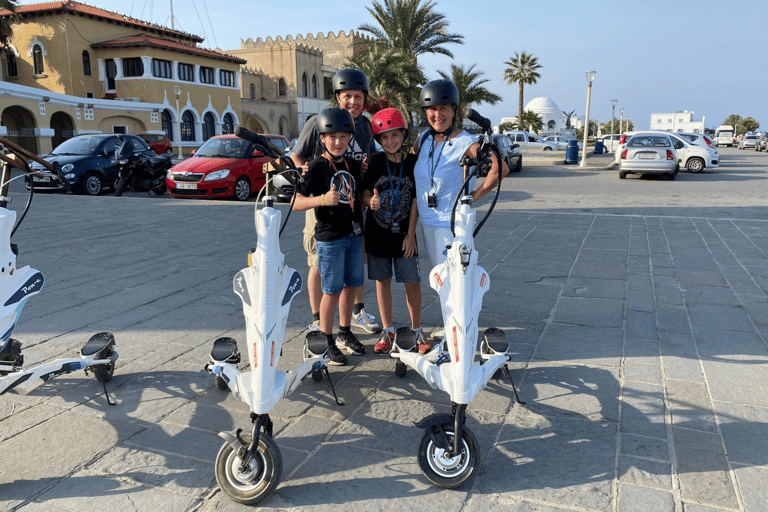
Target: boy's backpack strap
<point>423,138</point>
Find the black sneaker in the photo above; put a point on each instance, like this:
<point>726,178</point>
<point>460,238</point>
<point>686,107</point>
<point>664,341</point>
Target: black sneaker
<point>337,358</point>
<point>349,342</point>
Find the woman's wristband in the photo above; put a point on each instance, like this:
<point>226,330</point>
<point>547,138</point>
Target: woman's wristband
<point>322,200</point>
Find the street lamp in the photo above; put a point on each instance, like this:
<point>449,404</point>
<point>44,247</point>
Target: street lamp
<point>613,120</point>
<point>177,92</point>
<point>590,78</point>
<point>621,123</point>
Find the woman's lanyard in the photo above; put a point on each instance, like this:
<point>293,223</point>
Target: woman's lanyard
<point>432,154</point>
<point>395,191</point>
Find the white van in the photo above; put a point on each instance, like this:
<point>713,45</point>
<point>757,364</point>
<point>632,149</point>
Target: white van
<point>724,135</point>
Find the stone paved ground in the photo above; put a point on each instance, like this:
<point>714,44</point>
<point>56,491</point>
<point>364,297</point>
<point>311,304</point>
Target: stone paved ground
<point>639,349</point>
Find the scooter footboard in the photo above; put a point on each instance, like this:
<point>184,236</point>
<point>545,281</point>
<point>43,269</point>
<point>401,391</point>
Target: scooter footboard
<point>25,381</point>
<point>428,370</point>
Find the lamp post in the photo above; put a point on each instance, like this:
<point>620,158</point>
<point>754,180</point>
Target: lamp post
<point>621,123</point>
<point>628,128</point>
<point>177,92</point>
<point>590,78</point>
<point>613,120</point>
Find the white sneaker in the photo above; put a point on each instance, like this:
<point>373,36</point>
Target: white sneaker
<point>365,321</point>
<point>314,326</point>
<point>438,334</point>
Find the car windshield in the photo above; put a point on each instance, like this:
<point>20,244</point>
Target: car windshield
<point>648,141</point>
<point>78,146</point>
<point>226,148</point>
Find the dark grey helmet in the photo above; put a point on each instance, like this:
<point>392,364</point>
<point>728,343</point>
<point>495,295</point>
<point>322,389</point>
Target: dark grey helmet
<point>349,79</point>
<point>439,92</point>
<point>331,120</point>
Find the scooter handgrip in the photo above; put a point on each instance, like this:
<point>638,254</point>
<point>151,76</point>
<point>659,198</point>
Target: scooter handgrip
<point>245,134</point>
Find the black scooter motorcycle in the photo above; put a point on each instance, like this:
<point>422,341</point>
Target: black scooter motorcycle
<point>141,173</point>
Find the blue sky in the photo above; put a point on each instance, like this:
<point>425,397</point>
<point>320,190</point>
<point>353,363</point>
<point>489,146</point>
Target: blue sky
<point>652,56</point>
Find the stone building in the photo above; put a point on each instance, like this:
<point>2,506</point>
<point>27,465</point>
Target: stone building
<point>680,121</point>
<point>289,79</point>
<point>73,69</point>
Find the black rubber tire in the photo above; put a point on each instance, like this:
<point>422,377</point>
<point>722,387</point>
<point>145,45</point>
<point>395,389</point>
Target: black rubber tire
<point>547,148</point>
<point>267,468</point>
<point>317,375</point>
<point>160,190</point>
<point>104,372</point>
<point>92,184</point>
<point>695,165</point>
<point>220,383</point>
<point>671,176</point>
<point>120,186</point>
<point>519,166</point>
<point>455,472</point>
<point>622,175</point>
<point>400,369</point>
<point>242,189</point>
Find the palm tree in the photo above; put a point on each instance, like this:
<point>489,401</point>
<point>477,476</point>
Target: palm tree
<point>388,88</point>
<point>6,33</point>
<point>411,26</point>
<point>530,120</point>
<point>522,69</point>
<point>471,90</point>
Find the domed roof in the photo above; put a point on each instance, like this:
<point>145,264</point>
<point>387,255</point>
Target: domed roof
<point>542,104</point>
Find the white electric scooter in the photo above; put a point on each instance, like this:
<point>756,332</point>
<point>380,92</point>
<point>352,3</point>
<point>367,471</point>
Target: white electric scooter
<point>448,454</point>
<point>248,468</point>
<point>17,285</point>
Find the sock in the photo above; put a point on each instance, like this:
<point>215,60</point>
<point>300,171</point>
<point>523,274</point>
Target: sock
<point>344,330</point>
<point>358,308</point>
<point>316,317</point>
<point>331,341</point>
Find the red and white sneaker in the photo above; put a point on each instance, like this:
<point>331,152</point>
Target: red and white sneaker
<point>384,345</point>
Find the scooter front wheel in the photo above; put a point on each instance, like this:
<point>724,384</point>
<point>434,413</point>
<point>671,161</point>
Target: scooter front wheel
<point>448,472</point>
<point>261,478</point>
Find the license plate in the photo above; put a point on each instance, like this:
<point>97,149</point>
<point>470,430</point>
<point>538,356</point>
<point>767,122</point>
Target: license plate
<point>647,156</point>
<point>187,186</point>
<point>45,179</point>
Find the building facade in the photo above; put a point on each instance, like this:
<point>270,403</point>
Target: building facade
<point>73,69</point>
<point>677,122</point>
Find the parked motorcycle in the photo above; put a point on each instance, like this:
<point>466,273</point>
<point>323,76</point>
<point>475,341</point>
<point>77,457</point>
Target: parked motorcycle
<point>141,172</point>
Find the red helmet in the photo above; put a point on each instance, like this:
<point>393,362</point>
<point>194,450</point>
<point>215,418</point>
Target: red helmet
<point>386,120</point>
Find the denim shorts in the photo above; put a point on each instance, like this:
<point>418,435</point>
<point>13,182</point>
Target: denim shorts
<point>341,263</point>
<point>406,269</point>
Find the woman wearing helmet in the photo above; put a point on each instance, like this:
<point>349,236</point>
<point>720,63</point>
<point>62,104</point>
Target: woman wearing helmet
<point>389,192</point>
<point>438,175</point>
<point>437,172</point>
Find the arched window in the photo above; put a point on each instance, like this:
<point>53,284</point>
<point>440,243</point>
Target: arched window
<point>228,126</point>
<point>551,124</point>
<point>187,126</point>
<point>281,89</point>
<point>37,55</point>
<point>253,92</point>
<point>167,124</point>
<point>314,86</point>
<point>86,63</point>
<point>208,126</point>
<point>304,85</point>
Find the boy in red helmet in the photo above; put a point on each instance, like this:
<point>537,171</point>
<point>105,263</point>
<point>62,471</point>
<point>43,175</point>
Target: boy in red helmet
<point>389,192</point>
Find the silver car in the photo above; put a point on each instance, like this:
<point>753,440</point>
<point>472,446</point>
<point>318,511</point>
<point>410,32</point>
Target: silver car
<point>649,153</point>
<point>749,141</point>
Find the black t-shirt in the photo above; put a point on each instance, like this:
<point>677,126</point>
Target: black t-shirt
<point>334,222</point>
<point>396,196</point>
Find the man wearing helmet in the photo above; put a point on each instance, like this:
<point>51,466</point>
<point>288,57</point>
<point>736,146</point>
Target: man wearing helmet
<point>351,88</point>
<point>438,175</point>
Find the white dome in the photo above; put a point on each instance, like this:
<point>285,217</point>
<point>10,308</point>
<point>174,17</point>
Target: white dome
<point>542,104</point>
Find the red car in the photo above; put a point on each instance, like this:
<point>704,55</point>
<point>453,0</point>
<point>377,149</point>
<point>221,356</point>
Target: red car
<point>159,143</point>
<point>224,166</point>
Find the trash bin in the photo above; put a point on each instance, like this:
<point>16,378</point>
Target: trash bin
<point>572,152</point>
<point>599,146</point>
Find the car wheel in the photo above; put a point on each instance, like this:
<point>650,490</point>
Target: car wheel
<point>671,176</point>
<point>519,166</point>
<point>242,189</point>
<point>92,184</point>
<point>547,148</point>
<point>169,151</point>
<point>695,165</point>
<point>622,175</point>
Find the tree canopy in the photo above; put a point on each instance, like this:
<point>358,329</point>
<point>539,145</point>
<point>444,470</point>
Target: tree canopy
<point>470,86</point>
<point>522,69</point>
<point>6,33</point>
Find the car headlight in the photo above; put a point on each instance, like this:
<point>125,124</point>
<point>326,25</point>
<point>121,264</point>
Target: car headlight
<point>169,174</point>
<point>217,175</point>
<point>67,167</point>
